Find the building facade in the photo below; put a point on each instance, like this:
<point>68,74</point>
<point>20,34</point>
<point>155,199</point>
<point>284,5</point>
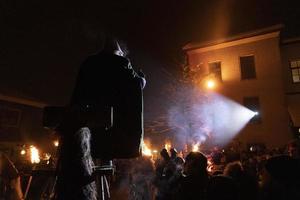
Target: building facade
<point>290,54</point>
<point>249,69</point>
<point>20,123</point>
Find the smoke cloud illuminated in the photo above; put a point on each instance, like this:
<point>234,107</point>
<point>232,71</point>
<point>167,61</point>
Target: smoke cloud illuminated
<point>206,117</point>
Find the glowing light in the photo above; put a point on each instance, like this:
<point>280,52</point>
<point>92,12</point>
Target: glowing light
<point>210,165</point>
<point>210,84</point>
<point>23,152</point>
<point>168,146</point>
<point>213,117</point>
<point>146,151</point>
<point>255,113</point>
<point>34,155</point>
<point>47,156</point>
<point>56,143</point>
<point>195,147</point>
<point>154,151</point>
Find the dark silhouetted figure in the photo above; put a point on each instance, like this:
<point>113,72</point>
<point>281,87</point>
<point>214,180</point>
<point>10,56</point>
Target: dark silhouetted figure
<point>246,184</point>
<point>222,187</point>
<point>162,175</point>
<point>280,179</point>
<point>193,185</point>
<point>106,106</point>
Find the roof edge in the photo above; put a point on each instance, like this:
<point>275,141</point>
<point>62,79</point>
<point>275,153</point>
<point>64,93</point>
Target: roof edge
<point>22,101</point>
<point>290,40</point>
<point>192,46</point>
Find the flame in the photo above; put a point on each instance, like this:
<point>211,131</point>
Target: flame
<point>210,165</point>
<point>210,84</point>
<point>23,152</point>
<point>168,146</point>
<point>146,151</point>
<point>34,155</point>
<point>56,143</point>
<point>196,147</point>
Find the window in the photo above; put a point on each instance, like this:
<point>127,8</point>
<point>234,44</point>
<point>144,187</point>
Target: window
<point>252,103</point>
<point>215,68</point>
<point>247,67</point>
<point>295,67</point>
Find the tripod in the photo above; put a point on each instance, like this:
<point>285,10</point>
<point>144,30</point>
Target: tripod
<point>101,173</point>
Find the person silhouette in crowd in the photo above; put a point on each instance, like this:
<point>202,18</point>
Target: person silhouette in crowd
<point>280,179</point>
<point>222,187</point>
<point>193,184</point>
<point>247,187</point>
<point>162,175</point>
<point>176,165</point>
<point>178,161</point>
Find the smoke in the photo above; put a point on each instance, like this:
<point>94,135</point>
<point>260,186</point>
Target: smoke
<point>206,117</point>
<point>134,179</point>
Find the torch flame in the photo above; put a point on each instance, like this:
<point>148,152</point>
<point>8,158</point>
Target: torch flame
<point>56,143</point>
<point>34,153</point>
<point>23,152</point>
<point>196,147</point>
<point>168,146</point>
<point>146,151</point>
<point>210,165</point>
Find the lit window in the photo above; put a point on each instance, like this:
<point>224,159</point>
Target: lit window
<point>247,64</point>
<point>295,68</point>
<point>215,68</point>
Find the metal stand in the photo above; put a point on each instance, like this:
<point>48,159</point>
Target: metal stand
<point>101,173</point>
<point>47,191</point>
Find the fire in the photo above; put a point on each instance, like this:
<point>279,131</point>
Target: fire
<point>34,155</point>
<point>210,165</point>
<point>146,151</point>
<point>168,146</point>
<point>196,147</point>
<point>56,143</point>
<point>23,152</point>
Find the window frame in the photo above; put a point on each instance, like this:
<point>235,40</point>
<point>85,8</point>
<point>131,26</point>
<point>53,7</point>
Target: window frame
<point>216,61</point>
<point>240,66</point>
<point>291,69</point>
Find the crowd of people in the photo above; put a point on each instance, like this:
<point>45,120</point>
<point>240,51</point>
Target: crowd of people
<point>219,174</point>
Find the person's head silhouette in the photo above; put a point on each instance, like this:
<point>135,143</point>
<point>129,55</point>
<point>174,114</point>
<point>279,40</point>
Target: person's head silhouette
<point>112,46</point>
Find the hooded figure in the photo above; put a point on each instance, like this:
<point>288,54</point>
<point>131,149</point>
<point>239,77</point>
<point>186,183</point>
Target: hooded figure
<point>104,120</point>
<point>109,92</point>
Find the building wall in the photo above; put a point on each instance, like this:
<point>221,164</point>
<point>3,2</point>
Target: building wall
<point>290,52</point>
<point>20,123</point>
<point>268,86</point>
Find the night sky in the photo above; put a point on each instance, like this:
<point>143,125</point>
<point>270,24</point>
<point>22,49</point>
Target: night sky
<point>42,43</point>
